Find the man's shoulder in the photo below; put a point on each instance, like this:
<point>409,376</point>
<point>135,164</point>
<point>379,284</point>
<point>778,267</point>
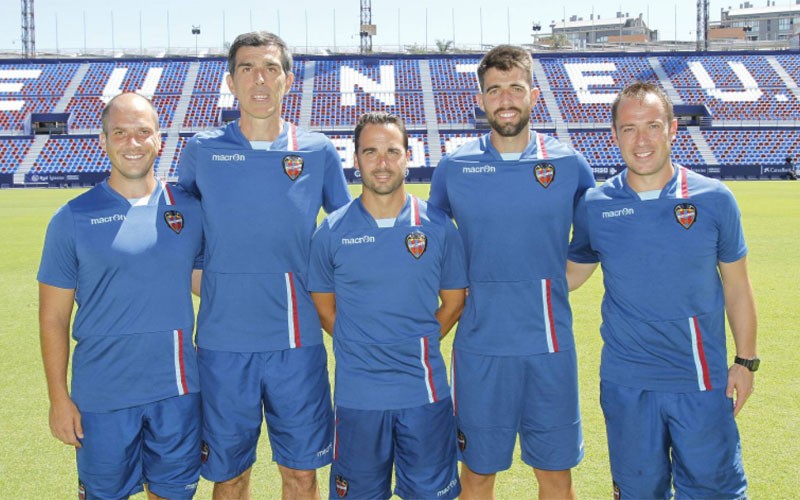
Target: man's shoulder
<point>336,219</point>
<point>310,140</point>
<point>221,134</point>
<point>470,150</point>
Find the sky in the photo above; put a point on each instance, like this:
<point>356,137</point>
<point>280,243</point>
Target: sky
<point>71,25</point>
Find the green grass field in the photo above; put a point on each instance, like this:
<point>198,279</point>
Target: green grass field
<point>33,465</point>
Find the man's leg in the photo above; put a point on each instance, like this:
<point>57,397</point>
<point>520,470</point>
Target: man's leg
<point>299,484</point>
<point>488,406</point>
<point>555,483</point>
<point>237,488</point>
<point>476,486</point>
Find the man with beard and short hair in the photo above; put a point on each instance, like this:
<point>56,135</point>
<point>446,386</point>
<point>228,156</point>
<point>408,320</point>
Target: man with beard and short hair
<point>379,266</point>
<point>512,193</point>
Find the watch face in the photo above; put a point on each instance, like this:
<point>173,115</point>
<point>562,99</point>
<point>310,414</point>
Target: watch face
<point>754,364</point>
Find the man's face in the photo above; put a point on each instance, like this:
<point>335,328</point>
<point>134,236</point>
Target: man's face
<point>381,158</point>
<point>507,99</point>
<point>259,82</point>
<point>130,137</point>
<point>644,135</point>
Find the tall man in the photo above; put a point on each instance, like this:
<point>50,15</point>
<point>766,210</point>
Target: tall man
<point>261,182</point>
<point>124,252</point>
<point>378,267</point>
<point>512,193</point>
<point>664,236</point>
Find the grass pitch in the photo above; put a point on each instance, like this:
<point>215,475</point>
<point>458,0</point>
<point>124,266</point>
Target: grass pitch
<point>34,465</point>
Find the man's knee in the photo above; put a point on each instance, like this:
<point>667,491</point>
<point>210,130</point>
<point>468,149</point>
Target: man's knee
<point>297,478</point>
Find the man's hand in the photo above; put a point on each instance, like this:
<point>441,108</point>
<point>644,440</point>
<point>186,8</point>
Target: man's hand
<point>740,380</point>
<point>65,422</point>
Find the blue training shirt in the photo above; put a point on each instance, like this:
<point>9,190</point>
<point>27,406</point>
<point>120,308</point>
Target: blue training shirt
<point>130,267</point>
<point>663,309</point>
<point>387,282</point>
<point>260,209</point>
<point>514,218</point>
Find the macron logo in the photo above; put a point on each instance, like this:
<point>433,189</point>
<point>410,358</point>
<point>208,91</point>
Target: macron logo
<point>233,157</point>
<point>447,489</point>
<point>359,240</point>
<point>618,213</point>
<point>105,220</point>
<point>325,451</point>
<point>486,169</point>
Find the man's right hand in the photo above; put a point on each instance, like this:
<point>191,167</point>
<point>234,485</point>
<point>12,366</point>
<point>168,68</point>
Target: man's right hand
<point>65,422</point>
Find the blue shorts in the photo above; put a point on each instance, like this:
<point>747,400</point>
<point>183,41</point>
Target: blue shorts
<point>420,442</point>
<point>289,388</point>
<point>696,429</point>
<point>157,444</point>
<point>535,396</point>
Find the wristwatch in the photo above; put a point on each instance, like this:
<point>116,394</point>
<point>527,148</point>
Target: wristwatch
<point>750,364</point>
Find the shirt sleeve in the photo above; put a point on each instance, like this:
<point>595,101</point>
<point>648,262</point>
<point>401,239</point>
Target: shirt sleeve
<point>335,191</point>
<point>59,264</point>
<point>454,267</point>
<point>187,168</point>
<point>580,248</point>
<point>320,267</point>
<point>585,177</point>
<point>438,195</point>
<point>730,244</point>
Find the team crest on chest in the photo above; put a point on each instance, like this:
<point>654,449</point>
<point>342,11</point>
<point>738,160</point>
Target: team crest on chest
<point>417,243</point>
<point>545,173</point>
<point>685,214</point>
<point>341,486</point>
<point>174,220</point>
<point>293,166</point>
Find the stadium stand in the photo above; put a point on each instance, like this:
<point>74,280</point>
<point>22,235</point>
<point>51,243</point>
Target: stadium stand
<point>752,102</point>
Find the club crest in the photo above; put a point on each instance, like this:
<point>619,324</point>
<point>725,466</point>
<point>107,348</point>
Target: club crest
<point>293,166</point>
<point>462,441</point>
<point>81,491</point>
<point>545,173</point>
<point>341,486</point>
<point>416,243</point>
<point>174,220</point>
<point>685,214</point>
<point>204,452</point>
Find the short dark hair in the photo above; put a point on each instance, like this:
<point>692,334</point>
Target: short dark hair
<point>639,90</point>
<point>110,104</point>
<point>260,39</point>
<point>379,118</point>
<point>504,58</point>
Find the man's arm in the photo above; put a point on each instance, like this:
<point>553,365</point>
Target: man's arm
<point>741,309</point>
<point>197,279</point>
<point>325,303</point>
<point>450,309</point>
<point>577,274</point>
<point>55,311</point>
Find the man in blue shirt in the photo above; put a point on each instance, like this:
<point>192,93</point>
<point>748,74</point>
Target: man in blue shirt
<point>378,268</point>
<point>261,182</point>
<point>124,251</point>
<point>665,236</point>
<point>512,194</point>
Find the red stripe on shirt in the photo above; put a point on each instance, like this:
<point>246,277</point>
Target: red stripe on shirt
<point>684,185</point>
<point>181,366</point>
<point>295,317</point>
<point>428,366</point>
<point>168,194</point>
<point>702,355</point>
<point>550,317</point>
<point>415,209</point>
<point>542,149</point>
